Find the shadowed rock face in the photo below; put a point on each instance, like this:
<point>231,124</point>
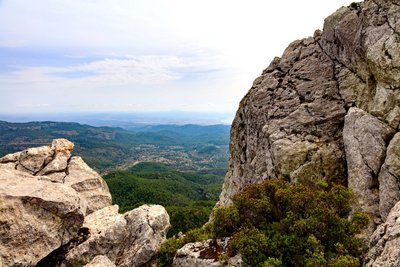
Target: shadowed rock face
<point>44,197</point>
<point>329,108</point>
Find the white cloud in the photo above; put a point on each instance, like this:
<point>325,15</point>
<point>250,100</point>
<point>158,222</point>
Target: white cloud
<point>144,70</point>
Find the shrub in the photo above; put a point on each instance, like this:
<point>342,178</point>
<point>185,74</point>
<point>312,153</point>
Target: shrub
<point>225,222</point>
<point>295,225</point>
<point>277,223</point>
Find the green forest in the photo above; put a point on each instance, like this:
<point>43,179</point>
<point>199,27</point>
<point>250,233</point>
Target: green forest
<point>188,196</point>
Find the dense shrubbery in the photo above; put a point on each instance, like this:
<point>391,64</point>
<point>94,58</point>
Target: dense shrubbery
<point>278,223</point>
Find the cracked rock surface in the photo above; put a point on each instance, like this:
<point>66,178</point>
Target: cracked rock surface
<point>37,216</point>
<point>365,140</point>
<point>130,239</point>
<point>385,242</point>
<point>54,163</point>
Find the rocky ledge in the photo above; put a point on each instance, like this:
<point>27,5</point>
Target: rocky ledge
<point>56,211</point>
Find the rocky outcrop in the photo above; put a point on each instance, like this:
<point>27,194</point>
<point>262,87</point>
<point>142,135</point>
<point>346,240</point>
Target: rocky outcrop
<point>289,124</point>
<point>54,163</point>
<point>129,239</point>
<point>37,216</point>
<point>329,108</point>
<point>44,197</point>
<point>206,253</point>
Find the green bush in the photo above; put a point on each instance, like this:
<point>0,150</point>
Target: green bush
<point>277,223</point>
<point>225,222</point>
<point>295,225</point>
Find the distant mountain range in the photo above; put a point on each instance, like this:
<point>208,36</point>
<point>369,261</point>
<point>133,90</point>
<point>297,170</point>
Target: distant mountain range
<point>126,119</point>
<point>184,147</point>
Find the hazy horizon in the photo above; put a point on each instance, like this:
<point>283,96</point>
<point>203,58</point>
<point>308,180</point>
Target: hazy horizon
<point>123,119</point>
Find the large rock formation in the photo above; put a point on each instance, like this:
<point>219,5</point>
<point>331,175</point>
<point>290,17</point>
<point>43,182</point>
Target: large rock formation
<point>54,163</point>
<point>329,108</point>
<point>44,197</point>
<point>37,216</point>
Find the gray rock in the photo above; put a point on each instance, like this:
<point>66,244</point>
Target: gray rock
<point>385,242</point>
<point>131,239</point>
<point>34,159</point>
<point>62,145</point>
<point>291,124</point>
<point>389,177</point>
<point>44,197</point>
<point>365,138</point>
<point>62,153</point>
<point>36,217</point>
<point>42,209</point>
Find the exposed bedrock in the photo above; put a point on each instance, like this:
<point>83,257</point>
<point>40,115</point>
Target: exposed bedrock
<point>329,108</point>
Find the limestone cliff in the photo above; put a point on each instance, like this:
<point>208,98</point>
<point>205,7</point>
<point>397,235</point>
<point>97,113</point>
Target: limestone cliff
<point>56,211</point>
<point>329,108</point>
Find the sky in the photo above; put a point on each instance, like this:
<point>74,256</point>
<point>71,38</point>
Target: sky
<point>148,55</point>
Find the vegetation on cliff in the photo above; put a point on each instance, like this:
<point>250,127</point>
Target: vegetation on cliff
<point>277,223</point>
